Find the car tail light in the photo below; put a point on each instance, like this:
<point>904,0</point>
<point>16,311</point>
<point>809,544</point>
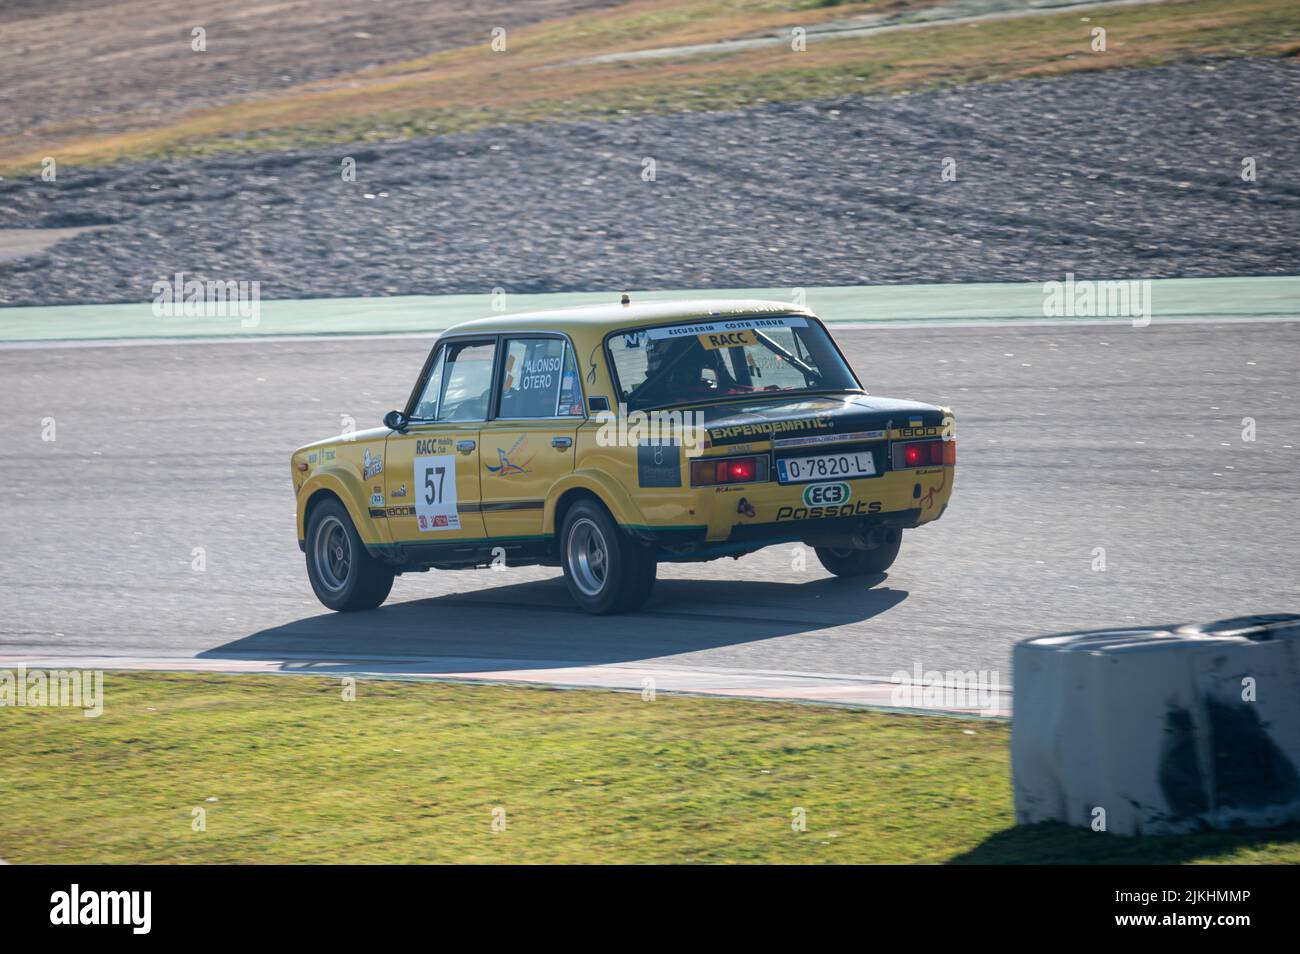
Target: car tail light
<point>732,470</point>
<point>924,454</point>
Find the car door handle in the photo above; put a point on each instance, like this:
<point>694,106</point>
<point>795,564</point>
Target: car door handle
<point>561,443</point>
<point>465,446</point>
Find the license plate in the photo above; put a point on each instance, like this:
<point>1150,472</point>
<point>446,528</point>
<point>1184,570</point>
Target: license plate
<point>794,470</point>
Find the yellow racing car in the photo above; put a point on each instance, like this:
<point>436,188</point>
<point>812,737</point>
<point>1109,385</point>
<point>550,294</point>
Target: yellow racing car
<point>607,439</point>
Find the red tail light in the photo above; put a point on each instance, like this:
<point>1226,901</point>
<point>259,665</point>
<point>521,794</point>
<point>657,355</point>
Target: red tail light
<point>734,470</point>
<point>738,470</point>
<point>924,454</point>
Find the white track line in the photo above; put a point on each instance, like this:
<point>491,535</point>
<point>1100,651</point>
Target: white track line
<point>856,691</point>
<point>833,325</point>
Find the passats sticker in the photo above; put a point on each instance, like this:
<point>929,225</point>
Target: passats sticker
<point>435,493</point>
<point>859,509</point>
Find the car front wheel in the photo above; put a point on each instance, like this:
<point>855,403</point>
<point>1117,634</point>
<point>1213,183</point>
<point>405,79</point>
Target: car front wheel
<point>344,576</point>
<point>605,569</point>
<point>851,562</point>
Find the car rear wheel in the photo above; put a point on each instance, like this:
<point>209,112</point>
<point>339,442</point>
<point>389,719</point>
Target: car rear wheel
<point>344,576</point>
<point>605,569</point>
<point>852,562</point>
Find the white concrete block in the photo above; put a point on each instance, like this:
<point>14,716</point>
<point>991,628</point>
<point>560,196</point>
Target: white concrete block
<point>1167,731</point>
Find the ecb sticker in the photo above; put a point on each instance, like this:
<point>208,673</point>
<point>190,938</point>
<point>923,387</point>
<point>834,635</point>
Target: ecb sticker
<point>435,493</point>
<point>376,500</point>
<point>822,495</point>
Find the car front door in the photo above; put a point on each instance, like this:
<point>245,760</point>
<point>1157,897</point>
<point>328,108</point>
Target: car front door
<point>431,477</point>
<point>529,445</point>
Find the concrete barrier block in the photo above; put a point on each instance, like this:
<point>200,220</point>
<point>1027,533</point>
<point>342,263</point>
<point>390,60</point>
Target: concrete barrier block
<point>1165,730</point>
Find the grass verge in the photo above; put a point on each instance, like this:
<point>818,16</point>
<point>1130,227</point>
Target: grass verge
<point>286,771</point>
<point>539,76</point>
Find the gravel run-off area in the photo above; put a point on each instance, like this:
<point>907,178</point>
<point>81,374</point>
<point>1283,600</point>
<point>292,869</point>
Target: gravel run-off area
<point>1118,174</point>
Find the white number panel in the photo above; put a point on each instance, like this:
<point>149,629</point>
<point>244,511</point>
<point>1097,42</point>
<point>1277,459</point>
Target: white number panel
<point>435,493</point>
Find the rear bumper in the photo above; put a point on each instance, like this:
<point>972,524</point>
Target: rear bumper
<point>828,530</point>
<point>745,517</point>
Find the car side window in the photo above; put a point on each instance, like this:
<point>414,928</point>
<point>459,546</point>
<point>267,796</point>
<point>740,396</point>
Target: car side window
<point>533,376</point>
<point>466,381</point>
<point>426,409</point>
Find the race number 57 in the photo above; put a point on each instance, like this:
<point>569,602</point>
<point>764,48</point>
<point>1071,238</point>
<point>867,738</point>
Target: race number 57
<point>435,493</point>
<point>435,479</point>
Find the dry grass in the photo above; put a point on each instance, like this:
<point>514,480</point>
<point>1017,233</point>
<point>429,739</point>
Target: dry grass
<point>536,79</point>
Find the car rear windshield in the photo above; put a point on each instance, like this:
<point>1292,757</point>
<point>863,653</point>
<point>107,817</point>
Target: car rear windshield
<point>725,357</point>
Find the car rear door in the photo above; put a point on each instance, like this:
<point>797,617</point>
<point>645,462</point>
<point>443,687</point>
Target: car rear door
<point>529,445</point>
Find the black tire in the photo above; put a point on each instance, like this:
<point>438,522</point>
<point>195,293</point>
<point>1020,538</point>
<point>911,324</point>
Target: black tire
<point>862,562</point>
<point>620,581</point>
<point>344,576</point>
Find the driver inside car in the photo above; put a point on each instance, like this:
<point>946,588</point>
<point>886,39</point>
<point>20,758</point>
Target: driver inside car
<point>675,372</point>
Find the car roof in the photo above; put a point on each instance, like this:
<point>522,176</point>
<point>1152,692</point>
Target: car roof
<point>614,316</point>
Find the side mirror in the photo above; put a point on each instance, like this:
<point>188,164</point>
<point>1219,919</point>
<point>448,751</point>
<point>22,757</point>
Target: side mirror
<point>395,420</point>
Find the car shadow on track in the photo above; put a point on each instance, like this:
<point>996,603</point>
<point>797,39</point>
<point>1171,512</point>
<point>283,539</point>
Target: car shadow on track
<point>536,625</point>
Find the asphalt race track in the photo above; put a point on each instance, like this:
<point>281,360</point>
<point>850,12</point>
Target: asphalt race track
<point>1071,438</point>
